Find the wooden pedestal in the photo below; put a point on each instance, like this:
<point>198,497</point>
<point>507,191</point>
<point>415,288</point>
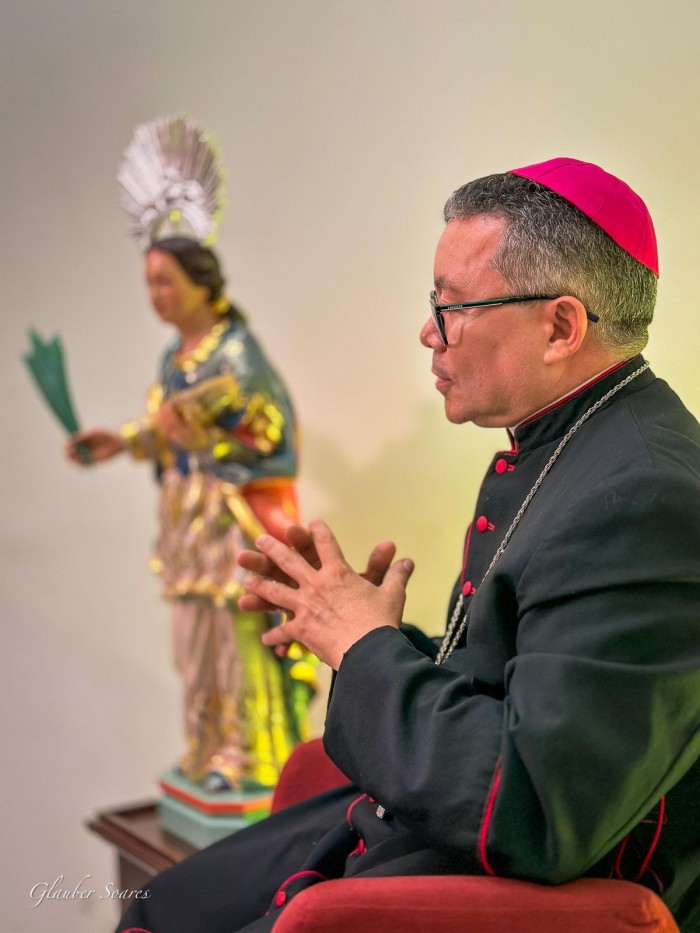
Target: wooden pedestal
<point>143,848</point>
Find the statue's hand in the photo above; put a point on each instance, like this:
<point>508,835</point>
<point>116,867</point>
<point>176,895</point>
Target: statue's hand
<point>100,443</point>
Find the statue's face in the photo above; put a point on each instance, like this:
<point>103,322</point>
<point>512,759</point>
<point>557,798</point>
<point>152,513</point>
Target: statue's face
<point>174,296</point>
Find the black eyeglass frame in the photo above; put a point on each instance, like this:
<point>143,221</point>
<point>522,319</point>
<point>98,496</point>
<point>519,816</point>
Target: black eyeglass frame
<point>438,310</point>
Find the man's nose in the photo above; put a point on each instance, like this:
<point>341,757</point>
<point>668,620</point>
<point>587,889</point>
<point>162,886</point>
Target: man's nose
<point>430,337</point>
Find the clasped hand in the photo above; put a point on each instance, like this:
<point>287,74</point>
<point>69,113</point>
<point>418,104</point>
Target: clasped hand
<point>328,605</point>
<point>180,428</point>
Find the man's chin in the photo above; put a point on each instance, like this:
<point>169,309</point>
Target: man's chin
<point>454,415</point>
<point>480,419</point>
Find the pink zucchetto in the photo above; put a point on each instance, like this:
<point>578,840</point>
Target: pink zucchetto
<point>606,200</point>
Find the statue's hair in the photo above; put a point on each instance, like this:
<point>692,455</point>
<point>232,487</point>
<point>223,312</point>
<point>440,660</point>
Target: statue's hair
<point>200,264</point>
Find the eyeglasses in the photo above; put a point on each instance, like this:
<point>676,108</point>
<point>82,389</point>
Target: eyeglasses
<point>439,310</point>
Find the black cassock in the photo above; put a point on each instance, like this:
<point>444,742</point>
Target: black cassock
<point>561,739</point>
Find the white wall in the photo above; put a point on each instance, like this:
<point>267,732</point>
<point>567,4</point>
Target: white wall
<point>344,125</point>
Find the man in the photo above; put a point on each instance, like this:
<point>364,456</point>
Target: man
<point>555,733</point>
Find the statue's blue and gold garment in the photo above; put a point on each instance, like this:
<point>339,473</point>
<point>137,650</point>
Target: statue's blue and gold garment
<point>233,482</point>
<point>216,496</point>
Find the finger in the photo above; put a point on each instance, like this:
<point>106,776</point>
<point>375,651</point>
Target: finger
<point>299,537</point>
<point>250,603</point>
<point>279,636</point>
<point>302,541</point>
<point>277,594</point>
<point>396,579</point>
<point>256,562</point>
<point>285,559</point>
<point>379,562</point>
<point>74,456</point>
<point>326,542</point>
<point>74,442</point>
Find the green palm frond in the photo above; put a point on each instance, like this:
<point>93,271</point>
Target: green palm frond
<point>46,363</point>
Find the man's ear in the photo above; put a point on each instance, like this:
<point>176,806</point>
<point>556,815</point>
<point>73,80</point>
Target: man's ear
<point>565,327</point>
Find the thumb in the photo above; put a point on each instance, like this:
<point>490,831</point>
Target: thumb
<point>397,577</point>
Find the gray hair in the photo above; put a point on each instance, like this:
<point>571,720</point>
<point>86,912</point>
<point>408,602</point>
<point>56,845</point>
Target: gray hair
<point>550,246</point>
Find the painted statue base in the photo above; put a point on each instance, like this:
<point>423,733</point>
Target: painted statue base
<point>188,812</point>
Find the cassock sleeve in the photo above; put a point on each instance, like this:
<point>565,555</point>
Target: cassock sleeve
<point>599,715</point>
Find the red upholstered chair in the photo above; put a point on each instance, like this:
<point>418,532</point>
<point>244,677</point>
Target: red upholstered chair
<point>453,903</point>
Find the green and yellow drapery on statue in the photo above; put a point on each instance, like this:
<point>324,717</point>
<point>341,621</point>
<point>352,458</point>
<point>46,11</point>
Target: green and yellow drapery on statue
<point>245,709</point>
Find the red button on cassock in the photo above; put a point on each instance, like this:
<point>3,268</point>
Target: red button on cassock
<point>501,465</point>
<point>482,523</point>
<point>467,588</point>
<point>280,899</point>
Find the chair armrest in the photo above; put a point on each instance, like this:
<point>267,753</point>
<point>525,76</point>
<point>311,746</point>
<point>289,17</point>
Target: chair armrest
<point>454,904</point>
<point>308,771</point>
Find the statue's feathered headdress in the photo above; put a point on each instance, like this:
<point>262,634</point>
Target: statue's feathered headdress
<point>171,181</point>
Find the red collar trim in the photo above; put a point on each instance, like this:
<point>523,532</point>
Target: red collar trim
<point>562,401</point>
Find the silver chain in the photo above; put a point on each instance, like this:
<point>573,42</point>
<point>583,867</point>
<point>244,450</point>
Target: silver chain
<point>451,639</point>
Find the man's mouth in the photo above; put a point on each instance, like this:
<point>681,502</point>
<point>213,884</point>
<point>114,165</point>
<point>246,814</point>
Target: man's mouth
<point>441,381</point>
